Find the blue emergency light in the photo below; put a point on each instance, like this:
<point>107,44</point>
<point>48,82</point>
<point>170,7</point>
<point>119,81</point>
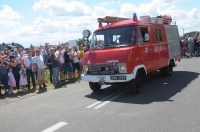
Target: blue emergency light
<point>135,17</point>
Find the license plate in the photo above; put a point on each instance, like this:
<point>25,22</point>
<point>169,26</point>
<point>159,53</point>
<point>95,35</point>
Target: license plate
<point>117,77</point>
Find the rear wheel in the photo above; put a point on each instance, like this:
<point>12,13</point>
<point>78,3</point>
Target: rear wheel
<point>167,70</point>
<point>94,86</point>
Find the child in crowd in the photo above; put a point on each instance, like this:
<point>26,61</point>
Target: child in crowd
<point>23,79</point>
<point>11,80</point>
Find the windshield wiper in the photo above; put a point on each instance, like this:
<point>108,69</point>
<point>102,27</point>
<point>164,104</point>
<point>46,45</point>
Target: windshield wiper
<point>110,46</point>
<point>98,47</point>
<point>122,45</point>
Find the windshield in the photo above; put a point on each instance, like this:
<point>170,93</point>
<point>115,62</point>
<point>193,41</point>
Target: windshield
<point>115,37</point>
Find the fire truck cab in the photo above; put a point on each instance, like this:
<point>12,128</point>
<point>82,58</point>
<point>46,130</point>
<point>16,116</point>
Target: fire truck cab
<point>127,50</point>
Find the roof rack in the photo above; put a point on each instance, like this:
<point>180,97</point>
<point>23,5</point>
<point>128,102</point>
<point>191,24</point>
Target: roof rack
<point>173,23</point>
<point>159,20</point>
<point>111,19</point>
<point>149,19</point>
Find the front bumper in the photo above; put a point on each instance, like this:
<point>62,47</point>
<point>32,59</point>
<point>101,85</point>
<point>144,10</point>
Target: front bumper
<point>108,78</point>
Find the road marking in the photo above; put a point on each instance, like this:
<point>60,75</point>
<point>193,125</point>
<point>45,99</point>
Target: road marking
<point>55,127</point>
<point>104,99</point>
<point>108,99</point>
<point>90,106</point>
<point>106,102</point>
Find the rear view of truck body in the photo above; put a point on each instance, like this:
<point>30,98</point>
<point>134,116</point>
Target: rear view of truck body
<point>173,41</point>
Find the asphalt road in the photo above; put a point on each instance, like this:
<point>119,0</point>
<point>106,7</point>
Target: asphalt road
<point>166,104</point>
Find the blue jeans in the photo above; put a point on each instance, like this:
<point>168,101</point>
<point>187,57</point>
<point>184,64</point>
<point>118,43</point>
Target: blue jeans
<point>69,67</point>
<point>63,69</point>
<point>55,78</point>
<point>4,81</point>
<point>17,77</point>
<point>30,75</point>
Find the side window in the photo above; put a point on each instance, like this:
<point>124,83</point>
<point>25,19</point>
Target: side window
<point>140,40</point>
<point>99,40</point>
<point>116,39</point>
<point>158,35</point>
<point>143,35</point>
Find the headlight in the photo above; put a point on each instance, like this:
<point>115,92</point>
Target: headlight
<point>85,69</point>
<point>122,68</point>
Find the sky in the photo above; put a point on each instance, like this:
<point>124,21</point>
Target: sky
<point>39,21</point>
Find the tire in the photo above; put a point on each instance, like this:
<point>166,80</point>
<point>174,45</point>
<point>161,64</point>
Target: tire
<point>94,86</point>
<point>137,84</point>
<point>167,70</point>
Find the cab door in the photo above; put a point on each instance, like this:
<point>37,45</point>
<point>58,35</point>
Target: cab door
<point>145,47</point>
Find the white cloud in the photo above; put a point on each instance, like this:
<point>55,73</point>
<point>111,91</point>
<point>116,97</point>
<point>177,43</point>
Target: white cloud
<point>126,10</point>
<point>62,8</point>
<point>9,14</point>
<point>70,18</point>
<point>9,18</point>
<point>55,30</point>
<point>9,23</point>
<point>101,11</point>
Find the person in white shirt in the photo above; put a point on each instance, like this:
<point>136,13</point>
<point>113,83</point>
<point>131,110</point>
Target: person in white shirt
<point>74,56</point>
<point>62,62</point>
<point>40,66</point>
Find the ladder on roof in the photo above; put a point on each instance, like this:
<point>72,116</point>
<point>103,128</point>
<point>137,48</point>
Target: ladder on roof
<point>111,19</point>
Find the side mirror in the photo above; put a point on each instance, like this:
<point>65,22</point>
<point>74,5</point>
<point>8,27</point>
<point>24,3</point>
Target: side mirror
<point>86,33</point>
<point>146,37</point>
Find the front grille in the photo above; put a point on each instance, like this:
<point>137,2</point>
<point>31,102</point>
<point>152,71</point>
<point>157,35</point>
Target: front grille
<point>107,69</point>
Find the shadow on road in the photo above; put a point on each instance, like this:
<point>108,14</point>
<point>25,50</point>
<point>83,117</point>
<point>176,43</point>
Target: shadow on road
<point>43,90</point>
<point>155,89</point>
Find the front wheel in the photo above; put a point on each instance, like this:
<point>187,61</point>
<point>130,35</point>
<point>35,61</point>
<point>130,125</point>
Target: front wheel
<point>137,84</point>
<point>94,86</point>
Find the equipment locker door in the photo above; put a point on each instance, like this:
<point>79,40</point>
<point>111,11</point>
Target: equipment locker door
<point>160,47</point>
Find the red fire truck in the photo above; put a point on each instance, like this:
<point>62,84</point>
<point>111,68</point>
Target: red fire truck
<point>125,50</point>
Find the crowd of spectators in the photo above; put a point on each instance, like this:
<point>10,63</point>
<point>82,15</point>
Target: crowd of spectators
<point>190,45</point>
<point>23,70</point>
